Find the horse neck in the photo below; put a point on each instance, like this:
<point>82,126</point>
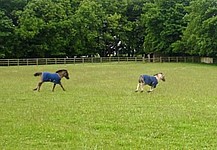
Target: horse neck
<point>60,74</point>
<point>158,79</point>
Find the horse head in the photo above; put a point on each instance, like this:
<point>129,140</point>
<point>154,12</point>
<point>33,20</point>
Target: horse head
<point>63,73</point>
<point>160,76</point>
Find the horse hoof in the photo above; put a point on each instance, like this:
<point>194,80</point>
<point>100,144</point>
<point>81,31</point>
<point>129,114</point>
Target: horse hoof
<point>136,90</point>
<point>141,91</point>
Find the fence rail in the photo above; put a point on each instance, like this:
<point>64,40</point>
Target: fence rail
<point>50,61</point>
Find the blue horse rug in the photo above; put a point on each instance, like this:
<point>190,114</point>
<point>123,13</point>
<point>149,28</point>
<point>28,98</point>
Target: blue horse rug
<point>150,80</point>
<point>51,77</point>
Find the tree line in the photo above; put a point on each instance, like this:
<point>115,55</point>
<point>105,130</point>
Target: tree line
<point>60,28</point>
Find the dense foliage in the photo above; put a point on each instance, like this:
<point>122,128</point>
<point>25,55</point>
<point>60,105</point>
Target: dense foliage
<point>60,28</point>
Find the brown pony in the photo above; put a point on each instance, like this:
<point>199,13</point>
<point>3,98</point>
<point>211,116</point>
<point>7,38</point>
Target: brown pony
<point>52,77</point>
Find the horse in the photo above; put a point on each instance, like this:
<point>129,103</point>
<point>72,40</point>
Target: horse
<point>152,81</point>
<point>51,77</point>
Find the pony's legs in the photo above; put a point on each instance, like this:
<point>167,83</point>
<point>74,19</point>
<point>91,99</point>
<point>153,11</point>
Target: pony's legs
<point>35,89</point>
<point>151,89</point>
<point>38,86</point>
<point>137,88</point>
<point>140,85</point>
<point>54,85</point>
<point>62,86</point>
<point>40,82</point>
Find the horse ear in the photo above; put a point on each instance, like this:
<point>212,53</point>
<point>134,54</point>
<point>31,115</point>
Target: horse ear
<point>65,70</point>
<point>58,71</point>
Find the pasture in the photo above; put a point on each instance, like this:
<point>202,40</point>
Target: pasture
<point>100,110</point>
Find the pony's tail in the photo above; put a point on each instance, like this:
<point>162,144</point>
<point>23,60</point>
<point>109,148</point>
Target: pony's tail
<point>38,74</point>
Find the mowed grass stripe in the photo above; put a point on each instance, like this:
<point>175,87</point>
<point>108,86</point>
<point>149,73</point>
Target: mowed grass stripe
<point>100,109</point>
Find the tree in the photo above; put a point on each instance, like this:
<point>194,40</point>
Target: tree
<point>164,24</point>
<point>59,28</point>
<point>123,33</point>
<point>8,24</point>
<point>87,21</point>
<point>45,28</point>
<point>134,28</point>
<point>6,32</point>
<point>201,33</point>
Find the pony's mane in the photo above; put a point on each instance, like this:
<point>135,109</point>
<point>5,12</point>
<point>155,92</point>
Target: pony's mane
<point>61,70</point>
<point>158,73</point>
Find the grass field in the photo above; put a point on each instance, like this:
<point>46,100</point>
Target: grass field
<point>100,110</point>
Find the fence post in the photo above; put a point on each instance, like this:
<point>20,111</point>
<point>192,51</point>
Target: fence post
<point>27,62</point>
<point>18,62</point>
<point>177,59</point>
<point>160,59</point>
<point>8,62</point>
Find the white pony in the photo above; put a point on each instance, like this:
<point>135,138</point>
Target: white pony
<point>149,80</point>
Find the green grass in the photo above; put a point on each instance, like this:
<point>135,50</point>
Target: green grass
<point>100,109</point>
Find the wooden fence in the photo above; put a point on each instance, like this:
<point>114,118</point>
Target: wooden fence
<point>51,61</point>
